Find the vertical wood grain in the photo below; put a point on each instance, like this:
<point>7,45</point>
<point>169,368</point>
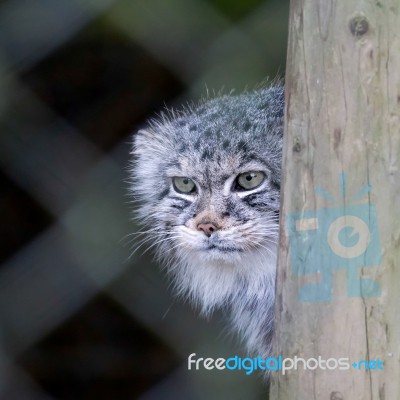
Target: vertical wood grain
<point>342,116</point>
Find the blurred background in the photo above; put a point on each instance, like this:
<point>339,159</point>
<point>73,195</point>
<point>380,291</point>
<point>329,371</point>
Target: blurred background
<point>80,316</point>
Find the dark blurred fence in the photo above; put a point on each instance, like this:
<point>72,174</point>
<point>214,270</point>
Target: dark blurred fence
<point>79,317</point>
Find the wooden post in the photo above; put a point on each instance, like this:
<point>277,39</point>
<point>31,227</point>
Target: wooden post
<point>338,284</point>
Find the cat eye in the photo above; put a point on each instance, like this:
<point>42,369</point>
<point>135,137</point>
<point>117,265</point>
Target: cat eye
<point>250,180</point>
<point>183,185</point>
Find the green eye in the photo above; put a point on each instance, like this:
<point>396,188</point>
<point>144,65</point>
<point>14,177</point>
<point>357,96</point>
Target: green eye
<point>250,180</point>
<point>183,185</point>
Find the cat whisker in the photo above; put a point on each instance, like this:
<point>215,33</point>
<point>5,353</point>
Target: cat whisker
<point>174,247</point>
<point>143,242</point>
<point>138,233</point>
<point>266,248</point>
<point>161,241</point>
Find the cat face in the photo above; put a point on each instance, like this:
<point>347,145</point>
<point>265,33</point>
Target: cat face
<point>221,209</point>
<point>209,184</point>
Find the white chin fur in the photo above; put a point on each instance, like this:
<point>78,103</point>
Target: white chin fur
<point>216,279</point>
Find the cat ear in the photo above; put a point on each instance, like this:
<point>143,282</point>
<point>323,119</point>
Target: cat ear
<point>146,140</point>
<point>142,140</point>
<point>145,134</point>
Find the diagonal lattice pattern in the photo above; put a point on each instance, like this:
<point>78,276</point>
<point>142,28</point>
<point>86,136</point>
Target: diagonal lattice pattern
<point>81,316</point>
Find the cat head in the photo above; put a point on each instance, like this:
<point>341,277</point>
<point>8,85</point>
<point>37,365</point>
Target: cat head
<point>208,183</point>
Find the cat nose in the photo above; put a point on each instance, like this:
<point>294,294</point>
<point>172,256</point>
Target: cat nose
<point>207,227</point>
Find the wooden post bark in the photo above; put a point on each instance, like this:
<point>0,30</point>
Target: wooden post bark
<point>338,283</point>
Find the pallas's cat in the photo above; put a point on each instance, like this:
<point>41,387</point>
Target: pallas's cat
<point>207,181</point>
